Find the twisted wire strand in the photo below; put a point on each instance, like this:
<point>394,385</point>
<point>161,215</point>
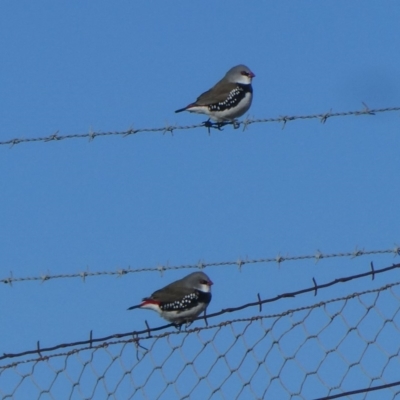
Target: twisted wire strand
<point>323,117</point>
<point>239,263</point>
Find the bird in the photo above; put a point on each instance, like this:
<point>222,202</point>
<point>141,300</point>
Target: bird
<point>228,99</point>
<point>181,301</point>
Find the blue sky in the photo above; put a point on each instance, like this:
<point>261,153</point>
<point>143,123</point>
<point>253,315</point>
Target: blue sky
<point>153,199</point>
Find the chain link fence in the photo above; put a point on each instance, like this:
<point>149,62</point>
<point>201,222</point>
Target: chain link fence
<point>326,349</point>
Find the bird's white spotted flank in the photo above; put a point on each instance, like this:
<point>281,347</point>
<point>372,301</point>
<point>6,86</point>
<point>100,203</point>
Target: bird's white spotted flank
<point>180,304</point>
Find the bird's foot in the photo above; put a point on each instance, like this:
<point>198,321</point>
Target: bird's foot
<point>236,124</point>
<point>179,326</point>
<point>215,125</point>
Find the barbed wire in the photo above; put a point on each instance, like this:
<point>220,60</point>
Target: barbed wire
<point>91,135</point>
<point>240,262</point>
<point>106,342</point>
<point>148,331</point>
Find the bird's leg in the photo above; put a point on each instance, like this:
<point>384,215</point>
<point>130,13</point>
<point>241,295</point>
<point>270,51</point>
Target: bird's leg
<point>219,125</point>
<point>188,323</point>
<point>216,125</point>
<point>236,124</point>
<point>208,124</point>
<point>178,326</point>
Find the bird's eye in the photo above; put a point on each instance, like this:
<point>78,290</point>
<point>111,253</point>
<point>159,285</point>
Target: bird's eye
<point>204,282</point>
<point>245,73</point>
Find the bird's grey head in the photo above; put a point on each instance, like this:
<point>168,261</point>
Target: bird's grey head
<point>199,281</point>
<point>240,74</point>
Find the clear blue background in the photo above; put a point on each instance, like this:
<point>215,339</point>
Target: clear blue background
<point>153,199</point>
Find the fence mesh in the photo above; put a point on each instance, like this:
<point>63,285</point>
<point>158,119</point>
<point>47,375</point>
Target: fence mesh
<point>322,350</point>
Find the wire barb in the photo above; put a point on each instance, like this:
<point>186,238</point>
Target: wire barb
<point>284,119</point>
<point>325,116</point>
<point>53,137</point>
<point>366,109</point>
<point>38,348</point>
<point>246,122</point>
<point>279,260</point>
<point>148,330</point>
<point>259,302</point>
<point>358,253</point>
<point>373,271</point>
<point>130,131</point>
<point>205,317</point>
<point>8,280</point>
<point>318,256</point>
<point>315,286</point>
<point>169,129</point>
